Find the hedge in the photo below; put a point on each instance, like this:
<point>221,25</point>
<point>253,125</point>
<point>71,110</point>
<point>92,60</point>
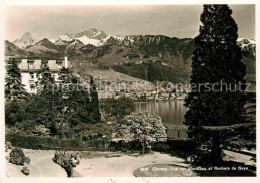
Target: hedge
<point>52,143</point>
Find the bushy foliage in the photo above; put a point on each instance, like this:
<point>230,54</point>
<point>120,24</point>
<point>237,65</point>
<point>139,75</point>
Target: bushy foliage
<point>93,131</point>
<point>141,127</point>
<point>41,130</point>
<point>17,156</point>
<point>15,112</point>
<point>117,108</point>
<point>49,143</point>
<point>245,135</point>
<point>78,108</point>
<point>41,110</point>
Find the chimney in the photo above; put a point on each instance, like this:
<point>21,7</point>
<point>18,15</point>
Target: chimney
<point>66,62</point>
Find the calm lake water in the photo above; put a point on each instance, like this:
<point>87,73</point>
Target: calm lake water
<point>171,112</point>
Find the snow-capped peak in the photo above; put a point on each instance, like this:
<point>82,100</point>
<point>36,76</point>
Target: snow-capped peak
<point>247,44</point>
<point>86,40</point>
<point>251,41</point>
<point>120,38</point>
<point>66,37</point>
<point>91,36</point>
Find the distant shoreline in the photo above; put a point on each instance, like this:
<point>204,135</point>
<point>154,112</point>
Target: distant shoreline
<point>158,101</point>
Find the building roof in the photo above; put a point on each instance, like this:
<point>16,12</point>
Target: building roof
<point>53,65</point>
<point>37,64</point>
<point>23,64</point>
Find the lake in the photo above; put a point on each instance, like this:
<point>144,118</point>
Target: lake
<point>171,112</point>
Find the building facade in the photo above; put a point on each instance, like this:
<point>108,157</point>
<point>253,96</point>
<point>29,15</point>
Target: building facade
<point>29,68</point>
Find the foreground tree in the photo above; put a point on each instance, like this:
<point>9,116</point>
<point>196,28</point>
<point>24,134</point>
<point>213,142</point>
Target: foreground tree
<point>141,127</point>
<point>215,107</point>
<point>66,76</point>
<point>46,82</point>
<point>80,108</point>
<point>73,103</point>
<point>14,89</point>
<point>96,115</point>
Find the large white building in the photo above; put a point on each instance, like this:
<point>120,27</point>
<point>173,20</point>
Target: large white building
<point>30,66</point>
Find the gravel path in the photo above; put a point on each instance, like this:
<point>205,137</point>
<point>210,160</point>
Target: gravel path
<point>123,166</point>
<point>234,156</point>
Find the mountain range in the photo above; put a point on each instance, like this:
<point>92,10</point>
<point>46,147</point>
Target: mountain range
<point>148,57</point>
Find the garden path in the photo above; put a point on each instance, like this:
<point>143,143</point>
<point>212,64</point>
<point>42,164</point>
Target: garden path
<point>123,166</point>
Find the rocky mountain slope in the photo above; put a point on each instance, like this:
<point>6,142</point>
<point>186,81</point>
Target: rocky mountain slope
<point>24,41</point>
<point>12,50</point>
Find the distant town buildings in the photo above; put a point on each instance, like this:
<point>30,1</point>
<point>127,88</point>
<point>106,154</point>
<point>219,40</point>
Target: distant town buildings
<point>145,95</point>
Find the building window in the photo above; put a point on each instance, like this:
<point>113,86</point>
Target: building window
<point>32,87</point>
<point>31,76</point>
<point>30,63</point>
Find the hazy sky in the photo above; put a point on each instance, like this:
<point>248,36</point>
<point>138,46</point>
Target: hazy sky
<point>171,20</point>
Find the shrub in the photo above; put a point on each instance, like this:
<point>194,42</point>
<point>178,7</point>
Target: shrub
<point>41,130</point>
<point>117,108</point>
<point>93,131</point>
<point>141,127</point>
<point>48,143</point>
<point>14,112</point>
<point>17,156</point>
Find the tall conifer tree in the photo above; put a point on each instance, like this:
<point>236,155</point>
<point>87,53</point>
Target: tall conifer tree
<point>46,81</point>
<point>96,115</point>
<point>14,89</point>
<point>216,59</point>
<point>74,98</point>
<point>46,97</point>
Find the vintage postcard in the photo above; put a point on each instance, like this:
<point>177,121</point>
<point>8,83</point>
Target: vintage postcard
<point>129,91</point>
